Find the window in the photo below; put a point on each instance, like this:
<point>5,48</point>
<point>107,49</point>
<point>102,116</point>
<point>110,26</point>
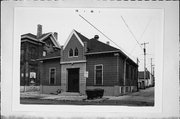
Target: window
<point>52,76</point>
<point>70,53</point>
<point>22,54</point>
<point>98,74</point>
<point>44,53</point>
<point>76,52</point>
<point>32,52</point>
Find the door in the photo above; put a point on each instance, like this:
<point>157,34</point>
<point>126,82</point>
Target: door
<point>73,80</point>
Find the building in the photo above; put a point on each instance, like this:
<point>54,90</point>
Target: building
<point>148,81</point>
<point>32,48</point>
<point>88,64</point>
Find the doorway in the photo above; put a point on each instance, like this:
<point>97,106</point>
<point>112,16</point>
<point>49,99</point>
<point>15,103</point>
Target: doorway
<point>73,80</point>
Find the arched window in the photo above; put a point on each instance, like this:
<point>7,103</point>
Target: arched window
<point>70,52</point>
<point>76,52</point>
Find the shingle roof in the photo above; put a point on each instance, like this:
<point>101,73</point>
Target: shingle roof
<point>34,36</point>
<point>56,54</point>
<point>30,35</point>
<point>95,45</point>
<point>141,75</point>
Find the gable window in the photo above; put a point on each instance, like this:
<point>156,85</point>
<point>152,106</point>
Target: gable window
<point>99,74</point>
<point>70,53</point>
<point>44,53</point>
<point>52,75</point>
<point>76,52</point>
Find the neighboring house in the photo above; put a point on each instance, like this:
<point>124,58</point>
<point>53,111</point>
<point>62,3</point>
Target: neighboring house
<point>34,47</point>
<point>145,82</point>
<point>88,64</point>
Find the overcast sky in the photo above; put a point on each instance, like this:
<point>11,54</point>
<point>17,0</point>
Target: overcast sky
<point>144,24</point>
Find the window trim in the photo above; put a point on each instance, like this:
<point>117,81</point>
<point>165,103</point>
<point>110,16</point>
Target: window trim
<point>95,74</point>
<point>69,53</point>
<point>75,52</point>
<point>50,75</point>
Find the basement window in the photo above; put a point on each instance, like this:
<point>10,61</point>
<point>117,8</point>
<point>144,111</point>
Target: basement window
<point>99,74</point>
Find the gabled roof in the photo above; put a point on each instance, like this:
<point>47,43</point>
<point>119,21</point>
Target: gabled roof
<point>41,38</point>
<point>95,45</point>
<point>77,36</point>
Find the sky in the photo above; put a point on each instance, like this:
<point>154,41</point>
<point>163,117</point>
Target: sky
<point>139,26</point>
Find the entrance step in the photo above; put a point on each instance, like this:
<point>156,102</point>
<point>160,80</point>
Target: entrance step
<point>69,94</point>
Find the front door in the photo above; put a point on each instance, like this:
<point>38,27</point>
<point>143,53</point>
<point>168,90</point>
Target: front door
<point>73,80</point>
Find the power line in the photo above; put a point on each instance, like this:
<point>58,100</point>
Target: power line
<point>131,32</point>
<point>141,35</point>
<point>104,34</point>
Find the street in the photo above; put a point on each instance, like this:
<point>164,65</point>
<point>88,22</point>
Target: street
<point>141,98</point>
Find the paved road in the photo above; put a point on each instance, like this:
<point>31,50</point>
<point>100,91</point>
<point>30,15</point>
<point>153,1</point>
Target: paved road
<point>141,98</point>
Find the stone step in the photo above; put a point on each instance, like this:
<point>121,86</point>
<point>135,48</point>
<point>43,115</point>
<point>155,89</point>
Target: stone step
<point>69,94</point>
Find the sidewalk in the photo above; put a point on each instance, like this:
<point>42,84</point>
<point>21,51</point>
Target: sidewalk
<point>146,95</point>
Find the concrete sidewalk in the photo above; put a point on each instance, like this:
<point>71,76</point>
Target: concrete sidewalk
<point>143,95</point>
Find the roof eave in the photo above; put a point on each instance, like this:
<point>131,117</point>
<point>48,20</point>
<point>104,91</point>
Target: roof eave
<point>48,58</point>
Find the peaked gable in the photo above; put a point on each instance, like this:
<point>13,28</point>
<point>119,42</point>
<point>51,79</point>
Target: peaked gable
<point>53,39</point>
<point>70,36</point>
<point>95,45</point>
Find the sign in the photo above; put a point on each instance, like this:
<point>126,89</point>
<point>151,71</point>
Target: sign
<point>86,74</point>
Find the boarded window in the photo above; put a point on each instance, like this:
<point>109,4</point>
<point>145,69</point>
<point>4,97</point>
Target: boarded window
<point>70,52</point>
<point>52,76</point>
<point>76,52</point>
<point>98,74</point>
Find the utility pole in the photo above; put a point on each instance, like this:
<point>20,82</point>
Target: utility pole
<point>144,58</point>
<point>137,75</point>
<point>151,72</point>
<point>151,65</point>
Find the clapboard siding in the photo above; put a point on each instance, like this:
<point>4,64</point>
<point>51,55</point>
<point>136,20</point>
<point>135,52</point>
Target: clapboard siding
<point>109,63</point>
<point>72,44</point>
<point>121,71</point>
<point>44,70</point>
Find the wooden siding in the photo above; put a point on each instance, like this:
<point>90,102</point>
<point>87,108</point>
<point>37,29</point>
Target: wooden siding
<point>121,71</point>
<point>28,62</point>
<point>44,71</point>
<point>109,63</point>
<point>72,44</point>
<point>110,78</point>
<point>131,78</point>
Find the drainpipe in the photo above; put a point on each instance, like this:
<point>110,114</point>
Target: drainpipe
<point>125,74</point>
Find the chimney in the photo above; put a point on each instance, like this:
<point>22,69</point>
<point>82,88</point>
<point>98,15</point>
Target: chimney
<point>108,43</point>
<point>56,35</point>
<point>96,37</point>
<point>39,30</point>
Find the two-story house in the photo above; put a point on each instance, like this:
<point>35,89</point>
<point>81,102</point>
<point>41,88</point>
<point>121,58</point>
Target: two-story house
<point>34,47</point>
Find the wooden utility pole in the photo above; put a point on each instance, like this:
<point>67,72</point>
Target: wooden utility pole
<point>144,58</point>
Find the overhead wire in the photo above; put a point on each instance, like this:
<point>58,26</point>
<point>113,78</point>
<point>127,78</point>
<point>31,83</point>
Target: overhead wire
<point>104,35</point>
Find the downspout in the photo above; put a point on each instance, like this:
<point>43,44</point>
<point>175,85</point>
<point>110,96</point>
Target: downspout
<point>125,74</point>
